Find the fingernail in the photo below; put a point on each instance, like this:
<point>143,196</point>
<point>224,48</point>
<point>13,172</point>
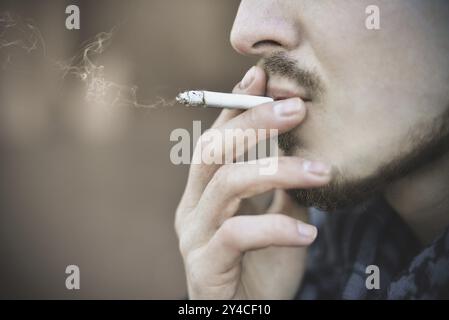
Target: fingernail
<point>307,230</point>
<point>317,167</point>
<point>247,79</point>
<point>288,108</point>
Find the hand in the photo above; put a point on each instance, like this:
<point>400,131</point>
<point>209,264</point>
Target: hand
<point>229,256</point>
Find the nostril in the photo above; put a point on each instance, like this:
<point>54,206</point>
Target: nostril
<point>266,43</point>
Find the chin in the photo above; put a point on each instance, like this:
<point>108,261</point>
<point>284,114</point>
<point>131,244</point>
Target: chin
<point>341,193</point>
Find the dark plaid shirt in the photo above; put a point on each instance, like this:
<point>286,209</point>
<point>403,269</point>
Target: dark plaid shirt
<point>373,234</point>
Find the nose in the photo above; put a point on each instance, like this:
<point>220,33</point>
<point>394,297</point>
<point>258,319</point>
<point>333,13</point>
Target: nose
<point>263,26</point>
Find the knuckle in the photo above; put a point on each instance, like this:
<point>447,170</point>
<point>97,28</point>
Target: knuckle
<point>253,116</point>
<point>184,246</point>
<point>223,177</point>
<point>283,162</point>
<point>256,117</point>
<point>278,223</point>
<point>260,116</point>
<point>188,240</point>
<point>285,165</point>
<point>226,233</point>
<point>180,217</point>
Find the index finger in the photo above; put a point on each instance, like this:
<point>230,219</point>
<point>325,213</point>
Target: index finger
<point>253,83</point>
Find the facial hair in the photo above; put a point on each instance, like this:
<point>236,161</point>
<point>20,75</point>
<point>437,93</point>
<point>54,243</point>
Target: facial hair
<point>427,141</point>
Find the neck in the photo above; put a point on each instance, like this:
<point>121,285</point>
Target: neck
<point>422,199</point>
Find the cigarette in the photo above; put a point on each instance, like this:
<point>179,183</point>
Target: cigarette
<point>220,100</point>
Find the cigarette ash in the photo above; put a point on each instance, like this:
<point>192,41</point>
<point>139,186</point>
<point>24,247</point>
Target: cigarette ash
<point>191,98</point>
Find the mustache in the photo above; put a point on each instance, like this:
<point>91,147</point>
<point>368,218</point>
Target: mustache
<point>278,63</point>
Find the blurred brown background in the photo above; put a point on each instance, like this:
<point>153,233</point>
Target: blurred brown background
<point>93,186</point>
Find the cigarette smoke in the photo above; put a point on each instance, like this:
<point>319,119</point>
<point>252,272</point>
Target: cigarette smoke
<point>99,90</point>
<point>18,38</point>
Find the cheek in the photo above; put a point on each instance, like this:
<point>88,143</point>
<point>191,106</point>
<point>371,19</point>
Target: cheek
<point>360,134</point>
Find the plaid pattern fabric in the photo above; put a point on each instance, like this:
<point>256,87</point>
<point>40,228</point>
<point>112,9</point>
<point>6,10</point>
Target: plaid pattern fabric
<point>373,234</point>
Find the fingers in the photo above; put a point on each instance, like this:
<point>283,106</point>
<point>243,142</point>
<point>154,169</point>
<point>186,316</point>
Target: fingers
<point>235,182</point>
<point>211,238</point>
<point>244,129</point>
<point>282,115</point>
<point>253,83</point>
<point>244,233</point>
<point>244,132</point>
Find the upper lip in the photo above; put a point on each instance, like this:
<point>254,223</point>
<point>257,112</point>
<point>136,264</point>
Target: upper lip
<point>278,93</point>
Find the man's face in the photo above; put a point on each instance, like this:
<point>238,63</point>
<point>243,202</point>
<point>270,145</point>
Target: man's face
<point>377,100</point>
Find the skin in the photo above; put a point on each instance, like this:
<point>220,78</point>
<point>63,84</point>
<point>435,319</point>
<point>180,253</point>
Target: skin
<point>382,95</point>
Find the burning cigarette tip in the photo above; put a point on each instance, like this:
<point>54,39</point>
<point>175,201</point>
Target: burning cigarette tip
<point>191,98</point>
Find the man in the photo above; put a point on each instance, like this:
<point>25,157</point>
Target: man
<point>364,122</point>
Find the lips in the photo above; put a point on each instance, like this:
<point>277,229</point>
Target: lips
<point>285,90</point>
